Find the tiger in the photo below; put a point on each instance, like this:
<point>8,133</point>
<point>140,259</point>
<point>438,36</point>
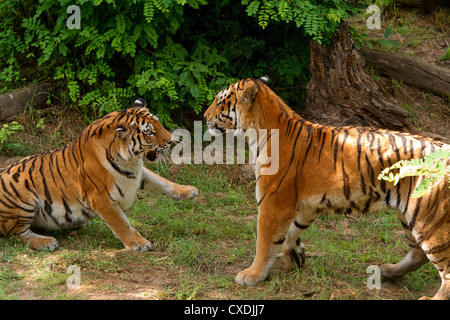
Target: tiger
<point>98,174</point>
<point>325,169</point>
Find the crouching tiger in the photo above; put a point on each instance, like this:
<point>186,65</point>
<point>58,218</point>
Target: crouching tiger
<point>98,174</point>
<point>332,170</point>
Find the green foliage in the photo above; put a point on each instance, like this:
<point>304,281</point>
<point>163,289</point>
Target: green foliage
<point>318,19</point>
<point>176,54</point>
<point>385,43</point>
<point>446,55</point>
<point>7,130</point>
<point>433,166</point>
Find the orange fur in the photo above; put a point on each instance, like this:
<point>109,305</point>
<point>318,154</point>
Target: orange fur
<point>332,170</point>
<point>98,174</point>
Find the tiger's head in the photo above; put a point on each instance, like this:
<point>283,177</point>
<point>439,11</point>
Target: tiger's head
<point>139,133</point>
<point>232,107</point>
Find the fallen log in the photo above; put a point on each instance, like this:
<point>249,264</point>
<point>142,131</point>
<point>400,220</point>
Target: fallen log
<point>16,101</point>
<point>410,70</point>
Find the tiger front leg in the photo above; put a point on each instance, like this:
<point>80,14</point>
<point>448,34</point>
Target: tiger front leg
<point>273,224</point>
<point>117,221</point>
<point>153,182</point>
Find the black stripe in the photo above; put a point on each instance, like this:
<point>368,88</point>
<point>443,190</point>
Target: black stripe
<point>73,155</point>
<point>310,138</point>
<point>423,147</point>
<point>438,249</point>
<point>109,195</point>
<point>398,195</point>
<point>44,182</point>
<point>343,140</point>
<point>403,139</point>
<point>300,226</point>
<point>295,127</point>
<point>261,146</point>
<point>50,164</point>
<point>262,198</point>
<point>363,184</point>
<point>371,138</point>
<point>409,193</point>
<point>17,193</point>
<point>358,147</point>
<point>346,182</point>
<point>128,174</point>
<point>414,216</point>
<point>367,206</point>
<point>297,258</point>
<point>120,190</point>
<point>68,211</point>
<point>288,129</point>
<point>394,146</point>
<point>59,171</point>
<point>323,142</point>
<point>370,171</point>
<point>411,148</point>
<point>292,157</point>
<point>86,213</point>
<point>335,151</point>
<point>16,177</point>
<point>48,208</point>
<point>279,241</point>
<point>380,154</point>
<point>383,185</point>
<point>387,198</point>
<point>16,205</point>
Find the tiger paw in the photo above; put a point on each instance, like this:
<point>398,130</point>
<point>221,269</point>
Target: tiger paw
<point>249,277</point>
<point>39,242</point>
<point>180,192</point>
<point>141,244</point>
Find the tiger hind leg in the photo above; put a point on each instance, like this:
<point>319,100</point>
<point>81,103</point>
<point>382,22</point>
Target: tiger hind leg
<point>444,290</point>
<point>293,249</point>
<point>412,261</point>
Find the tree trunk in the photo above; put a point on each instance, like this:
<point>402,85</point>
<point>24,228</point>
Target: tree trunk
<point>16,101</point>
<point>412,71</point>
<point>421,4</point>
<point>341,93</point>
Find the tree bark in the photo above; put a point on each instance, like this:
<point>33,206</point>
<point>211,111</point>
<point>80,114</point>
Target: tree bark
<point>16,101</point>
<point>341,93</point>
<point>421,4</point>
<point>412,71</point>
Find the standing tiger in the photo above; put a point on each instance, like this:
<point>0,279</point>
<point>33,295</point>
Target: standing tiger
<point>98,174</point>
<point>331,169</point>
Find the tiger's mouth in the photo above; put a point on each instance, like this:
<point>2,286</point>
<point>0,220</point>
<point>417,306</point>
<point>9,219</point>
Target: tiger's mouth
<point>152,155</point>
<point>212,127</point>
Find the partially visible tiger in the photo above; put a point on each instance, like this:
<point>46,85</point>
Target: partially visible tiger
<point>331,169</point>
<point>98,174</point>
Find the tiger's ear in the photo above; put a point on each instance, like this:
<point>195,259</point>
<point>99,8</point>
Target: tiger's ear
<point>139,102</point>
<point>249,94</point>
<point>124,130</point>
<point>265,79</point>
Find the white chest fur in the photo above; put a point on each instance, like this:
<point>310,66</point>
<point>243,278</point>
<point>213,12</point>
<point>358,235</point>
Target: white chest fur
<point>125,187</point>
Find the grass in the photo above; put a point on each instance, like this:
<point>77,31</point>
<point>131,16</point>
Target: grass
<point>200,245</point>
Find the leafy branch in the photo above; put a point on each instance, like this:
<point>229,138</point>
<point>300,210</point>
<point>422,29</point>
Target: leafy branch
<point>433,167</point>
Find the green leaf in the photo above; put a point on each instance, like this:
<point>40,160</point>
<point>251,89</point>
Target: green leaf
<point>387,32</point>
